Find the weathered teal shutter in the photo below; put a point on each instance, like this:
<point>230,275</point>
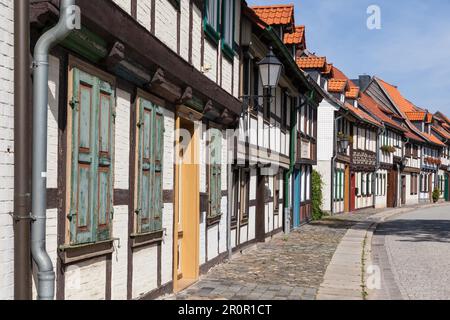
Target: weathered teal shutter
<point>144,167</point>
<point>92,149</point>
<point>151,137</point>
<point>158,163</point>
<point>105,207</point>
<point>215,176</point>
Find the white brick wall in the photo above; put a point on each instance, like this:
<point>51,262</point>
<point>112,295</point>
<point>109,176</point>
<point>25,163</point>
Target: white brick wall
<point>6,148</point>
<point>184,29</point>
<point>227,68</point>
<point>144,13</point>
<point>124,4</point>
<point>325,131</point>
<point>144,270</point>
<point>122,140</point>
<point>236,84</point>
<point>86,280</point>
<point>210,61</point>
<point>166,23</point>
<point>119,257</point>
<point>197,37</point>
<point>121,179</point>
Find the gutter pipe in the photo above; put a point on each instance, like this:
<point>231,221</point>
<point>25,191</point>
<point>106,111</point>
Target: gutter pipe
<point>333,162</point>
<point>69,19</point>
<point>377,166</point>
<point>287,176</point>
<point>22,150</point>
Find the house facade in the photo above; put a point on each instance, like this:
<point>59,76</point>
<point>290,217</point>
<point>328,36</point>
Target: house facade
<point>139,103</point>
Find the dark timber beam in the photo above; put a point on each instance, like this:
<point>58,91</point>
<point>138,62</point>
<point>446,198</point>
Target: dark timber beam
<point>113,24</point>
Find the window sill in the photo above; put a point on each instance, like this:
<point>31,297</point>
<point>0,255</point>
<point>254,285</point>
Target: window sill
<point>213,220</point>
<point>227,51</point>
<point>210,33</point>
<point>75,253</point>
<point>146,239</point>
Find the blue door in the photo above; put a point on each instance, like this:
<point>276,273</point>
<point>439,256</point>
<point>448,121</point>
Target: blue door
<point>297,189</point>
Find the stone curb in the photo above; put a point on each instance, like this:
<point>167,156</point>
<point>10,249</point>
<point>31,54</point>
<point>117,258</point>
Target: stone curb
<point>342,268</point>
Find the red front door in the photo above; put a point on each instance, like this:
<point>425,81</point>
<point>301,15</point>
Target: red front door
<point>352,192</point>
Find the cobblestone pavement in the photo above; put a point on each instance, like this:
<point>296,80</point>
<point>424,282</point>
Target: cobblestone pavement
<point>284,268</point>
<point>415,258</point>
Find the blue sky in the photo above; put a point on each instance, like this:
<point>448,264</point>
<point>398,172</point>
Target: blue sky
<point>411,50</point>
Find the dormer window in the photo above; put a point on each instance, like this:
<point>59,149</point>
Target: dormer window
<point>342,97</point>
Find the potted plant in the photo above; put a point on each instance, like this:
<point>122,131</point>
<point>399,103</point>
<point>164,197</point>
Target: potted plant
<point>436,195</point>
<point>388,149</point>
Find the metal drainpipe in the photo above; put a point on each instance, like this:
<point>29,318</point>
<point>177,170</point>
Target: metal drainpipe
<point>22,148</point>
<point>377,166</point>
<point>333,162</point>
<point>69,20</point>
<point>287,176</point>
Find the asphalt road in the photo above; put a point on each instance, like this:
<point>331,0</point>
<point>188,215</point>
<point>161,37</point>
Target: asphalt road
<point>413,253</point>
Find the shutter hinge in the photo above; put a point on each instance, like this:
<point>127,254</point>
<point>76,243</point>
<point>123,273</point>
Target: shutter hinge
<point>74,102</point>
<point>138,211</point>
<point>71,214</point>
<point>112,215</point>
<point>139,124</point>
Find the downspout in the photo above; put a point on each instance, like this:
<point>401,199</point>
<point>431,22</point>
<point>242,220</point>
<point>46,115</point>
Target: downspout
<point>377,165</point>
<point>68,21</point>
<point>333,162</point>
<point>22,148</point>
<point>287,176</point>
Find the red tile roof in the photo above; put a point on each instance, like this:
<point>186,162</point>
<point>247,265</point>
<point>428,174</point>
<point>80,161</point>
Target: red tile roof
<point>429,118</point>
<point>362,115</point>
<point>312,62</point>
<point>402,103</point>
<point>328,69</point>
<point>374,108</point>
<point>413,136</point>
<point>433,139</point>
<point>337,85</point>
<point>338,74</point>
<point>415,116</point>
<point>442,132</point>
<point>276,14</point>
<point>297,37</point>
<point>353,93</point>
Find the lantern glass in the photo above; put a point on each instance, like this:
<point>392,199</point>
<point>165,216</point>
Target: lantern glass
<point>270,70</point>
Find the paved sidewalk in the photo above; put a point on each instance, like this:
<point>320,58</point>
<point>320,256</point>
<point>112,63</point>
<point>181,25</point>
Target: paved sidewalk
<point>345,278</point>
<point>322,260</point>
<point>285,268</point>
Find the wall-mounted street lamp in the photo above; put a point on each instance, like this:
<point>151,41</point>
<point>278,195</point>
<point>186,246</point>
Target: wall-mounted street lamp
<point>343,143</point>
<point>270,69</point>
<point>404,162</point>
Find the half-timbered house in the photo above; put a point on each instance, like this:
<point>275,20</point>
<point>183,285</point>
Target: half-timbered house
<point>418,121</point>
<point>266,153</point>
<point>408,182</point>
<point>139,102</point>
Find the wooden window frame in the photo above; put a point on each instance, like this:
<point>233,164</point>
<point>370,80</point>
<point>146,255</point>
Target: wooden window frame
<point>103,80</point>
<point>244,190</point>
<point>156,218</point>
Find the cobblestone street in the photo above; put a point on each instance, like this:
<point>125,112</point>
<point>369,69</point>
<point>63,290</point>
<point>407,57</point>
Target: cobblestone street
<point>289,267</point>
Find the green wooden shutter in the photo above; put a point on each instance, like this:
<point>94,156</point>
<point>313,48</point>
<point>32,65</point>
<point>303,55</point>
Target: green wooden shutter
<point>144,167</point>
<point>215,178</point>
<point>158,165</point>
<point>105,207</point>
<point>151,141</point>
<point>92,149</point>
